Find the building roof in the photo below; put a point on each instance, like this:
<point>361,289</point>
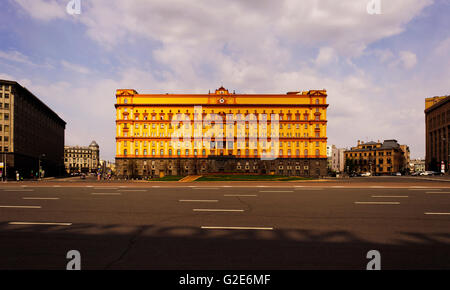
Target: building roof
<point>34,98</point>
<point>93,144</point>
<point>438,104</point>
<point>390,144</point>
<point>387,144</point>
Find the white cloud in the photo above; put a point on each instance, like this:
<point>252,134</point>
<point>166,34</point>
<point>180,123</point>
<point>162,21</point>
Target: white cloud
<point>75,67</point>
<point>326,56</point>
<point>15,56</point>
<point>45,10</point>
<point>443,48</point>
<point>406,59</point>
<point>345,25</point>
<point>384,55</point>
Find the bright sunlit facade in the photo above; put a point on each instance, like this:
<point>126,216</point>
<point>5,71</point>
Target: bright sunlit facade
<point>183,134</point>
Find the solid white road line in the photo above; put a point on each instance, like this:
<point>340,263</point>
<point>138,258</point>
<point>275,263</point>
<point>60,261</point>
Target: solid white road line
<point>437,192</point>
<point>40,198</point>
<point>437,213</point>
<point>105,187</point>
<point>42,224</point>
<point>217,210</point>
<point>133,190</point>
<point>377,202</point>
<point>241,195</point>
<point>276,191</point>
<point>198,200</point>
<point>106,193</point>
<point>237,228</point>
<point>19,206</point>
<point>205,188</point>
<point>390,196</point>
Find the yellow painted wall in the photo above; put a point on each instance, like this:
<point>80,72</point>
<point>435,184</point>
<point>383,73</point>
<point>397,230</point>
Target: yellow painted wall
<point>141,114</point>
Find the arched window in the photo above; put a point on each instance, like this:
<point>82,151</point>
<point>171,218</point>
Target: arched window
<point>125,101</point>
<point>161,152</point>
<point>317,152</point>
<point>306,152</point>
<point>125,152</point>
<point>317,101</point>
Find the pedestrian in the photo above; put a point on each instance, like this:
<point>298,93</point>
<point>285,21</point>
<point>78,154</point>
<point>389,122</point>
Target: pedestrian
<point>17,176</point>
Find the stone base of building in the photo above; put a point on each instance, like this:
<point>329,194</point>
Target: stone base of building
<point>156,167</point>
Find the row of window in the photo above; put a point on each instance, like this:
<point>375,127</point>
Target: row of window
<point>4,116</point>
<point>77,155</point>
<point>216,144</point>
<point>218,126</point>
<point>6,88</point>
<point>281,118</point>
<point>389,153</point>
<point>187,152</point>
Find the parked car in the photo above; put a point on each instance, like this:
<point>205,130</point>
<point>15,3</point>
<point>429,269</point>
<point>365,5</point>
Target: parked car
<point>366,174</point>
<point>416,173</point>
<point>427,173</point>
<point>83,176</point>
<point>398,174</point>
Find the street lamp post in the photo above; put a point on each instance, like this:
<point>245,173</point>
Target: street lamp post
<point>446,162</point>
<point>41,156</point>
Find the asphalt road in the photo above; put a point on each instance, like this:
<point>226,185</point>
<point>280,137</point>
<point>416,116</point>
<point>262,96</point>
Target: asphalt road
<point>235,226</point>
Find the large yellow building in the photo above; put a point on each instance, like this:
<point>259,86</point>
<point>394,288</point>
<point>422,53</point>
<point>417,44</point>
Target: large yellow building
<point>183,134</point>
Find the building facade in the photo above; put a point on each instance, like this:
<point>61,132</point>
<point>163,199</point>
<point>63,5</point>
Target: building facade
<point>79,159</point>
<point>337,159</point>
<point>329,157</point>
<point>377,158</point>
<point>31,134</point>
<point>437,122</point>
<point>417,165</point>
<point>187,134</point>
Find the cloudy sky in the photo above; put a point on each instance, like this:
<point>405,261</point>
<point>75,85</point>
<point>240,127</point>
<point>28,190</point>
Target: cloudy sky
<point>377,68</point>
